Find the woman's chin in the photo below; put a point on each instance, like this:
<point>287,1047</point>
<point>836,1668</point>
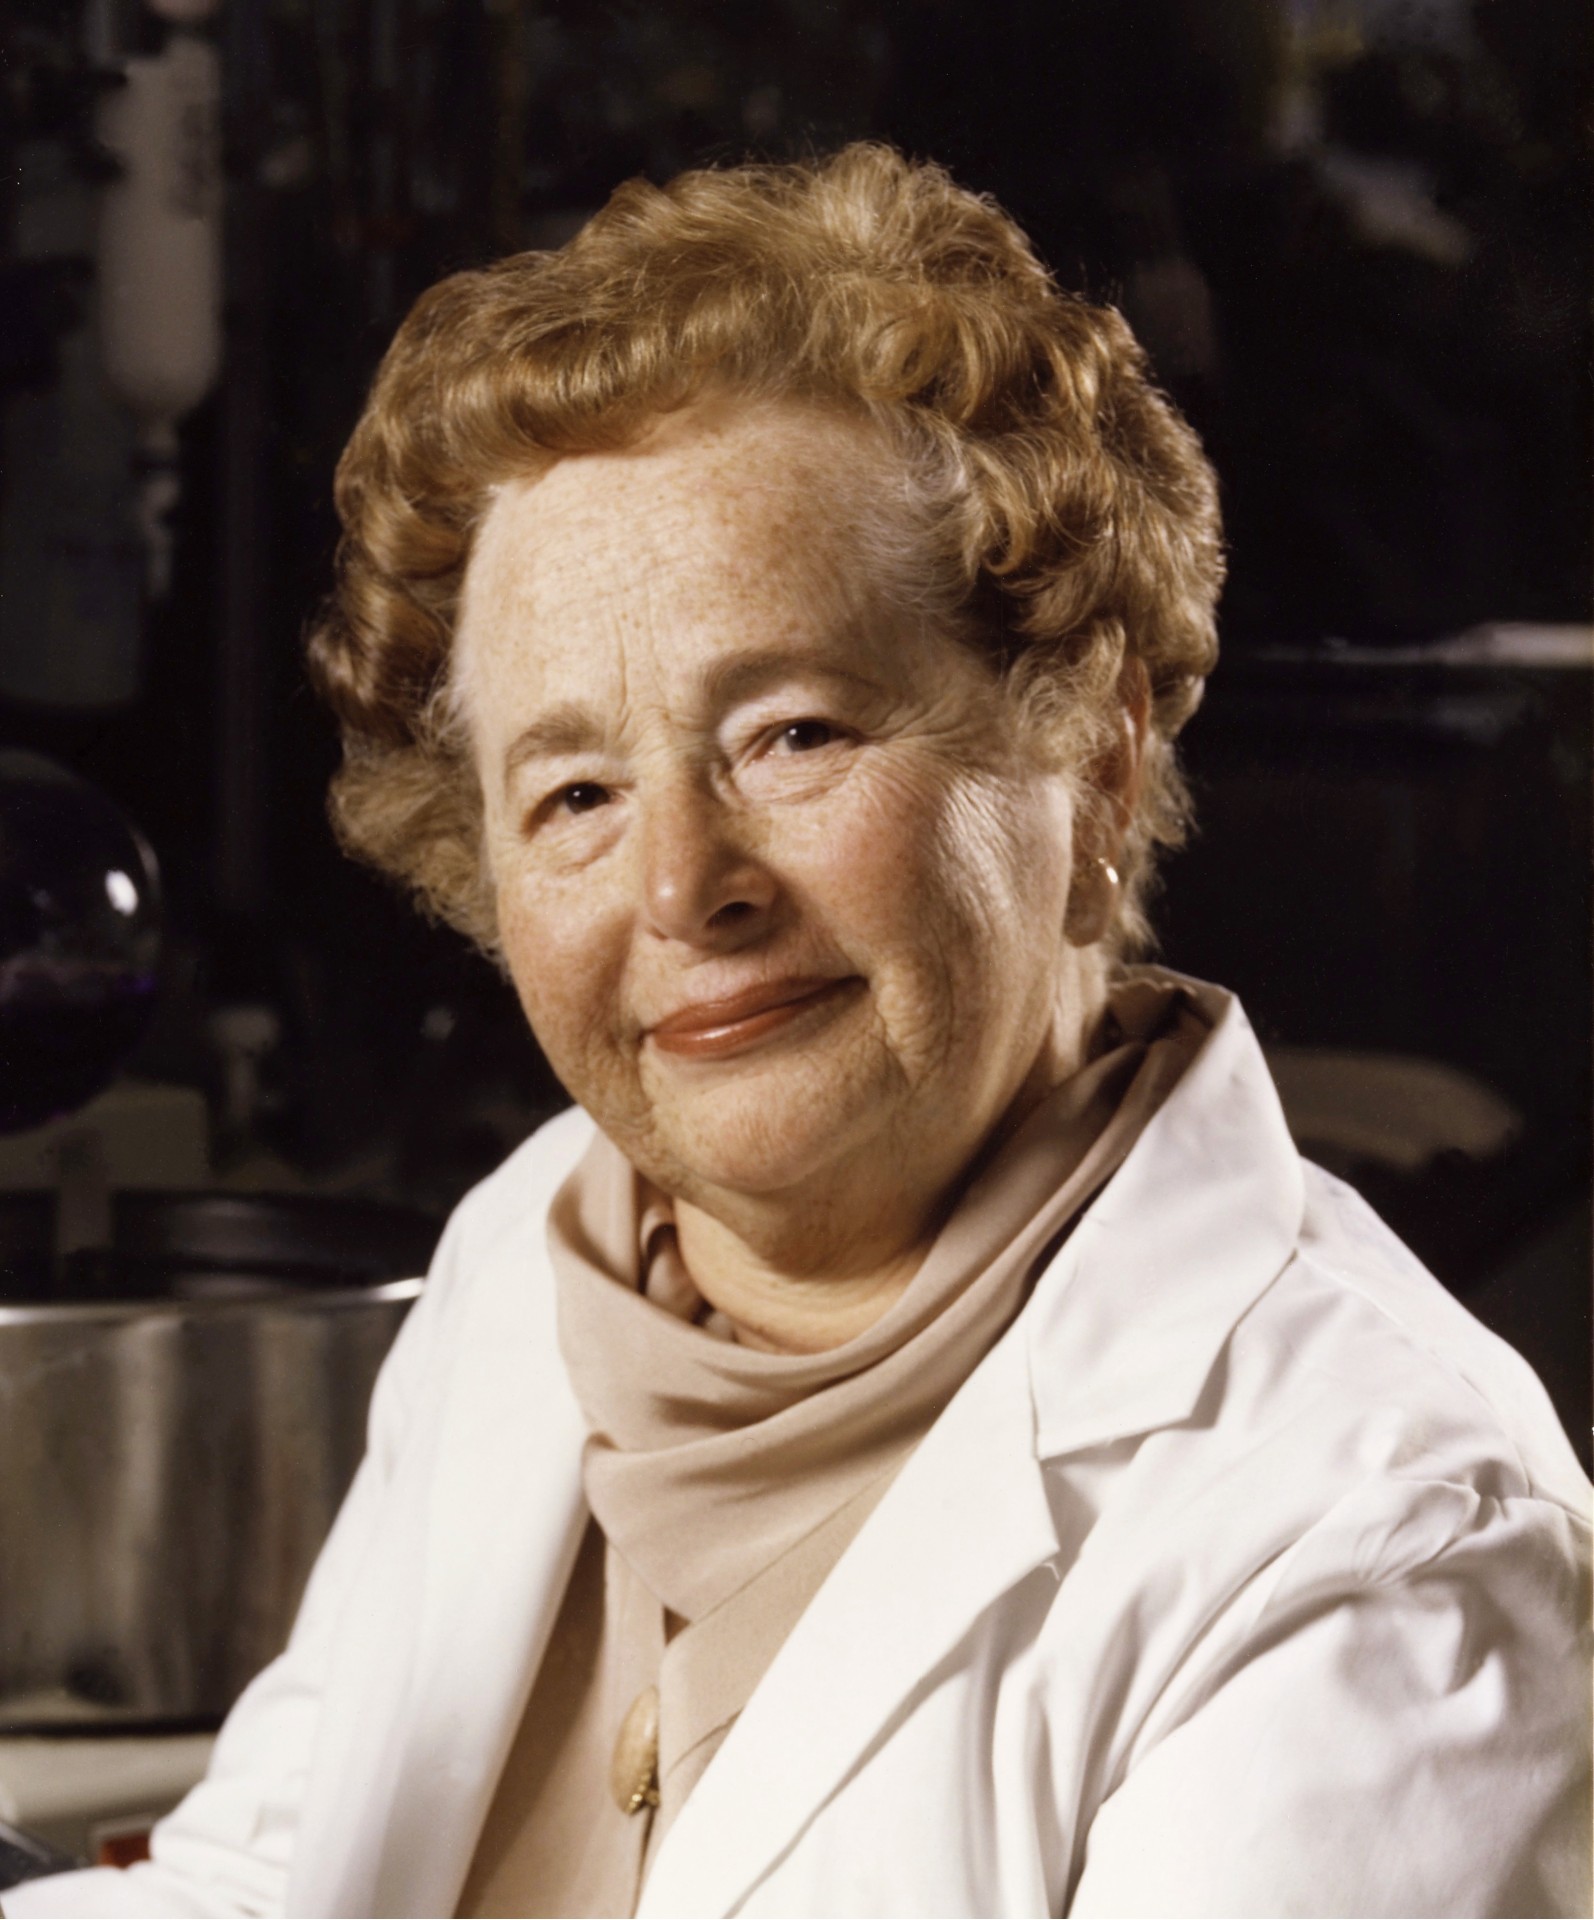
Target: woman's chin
<point>768,1132</point>
<point>753,1159</point>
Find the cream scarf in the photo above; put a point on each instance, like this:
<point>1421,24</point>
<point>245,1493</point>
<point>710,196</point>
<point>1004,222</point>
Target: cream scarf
<point>727,1482</point>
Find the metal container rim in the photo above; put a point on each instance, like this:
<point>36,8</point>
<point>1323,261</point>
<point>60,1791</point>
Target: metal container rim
<point>309,1301</point>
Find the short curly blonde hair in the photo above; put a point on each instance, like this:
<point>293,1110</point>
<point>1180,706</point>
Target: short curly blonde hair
<point>1066,516</point>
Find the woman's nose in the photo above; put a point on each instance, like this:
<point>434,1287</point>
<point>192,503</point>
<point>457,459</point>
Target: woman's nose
<point>701,882</point>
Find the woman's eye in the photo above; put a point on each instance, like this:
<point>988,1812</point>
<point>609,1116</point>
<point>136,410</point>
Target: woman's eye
<point>802,736</point>
<point>582,797</point>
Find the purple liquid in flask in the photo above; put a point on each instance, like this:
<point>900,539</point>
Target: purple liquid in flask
<point>79,940</point>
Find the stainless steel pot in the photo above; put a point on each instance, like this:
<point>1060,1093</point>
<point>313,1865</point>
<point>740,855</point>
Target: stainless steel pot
<point>170,1463</point>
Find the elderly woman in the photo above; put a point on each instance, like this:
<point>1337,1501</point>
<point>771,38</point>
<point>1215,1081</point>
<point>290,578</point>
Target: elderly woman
<point>915,1438</point>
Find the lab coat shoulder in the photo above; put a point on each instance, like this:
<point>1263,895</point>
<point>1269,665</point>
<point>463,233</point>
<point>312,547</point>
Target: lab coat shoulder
<point>281,1769</point>
<point>1358,1672</point>
<point>1420,1331</point>
<point>486,1269</point>
<point>1355,1367</point>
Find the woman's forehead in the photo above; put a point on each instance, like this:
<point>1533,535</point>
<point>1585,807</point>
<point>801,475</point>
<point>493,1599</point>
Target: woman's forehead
<point>731,519</point>
<point>722,469</point>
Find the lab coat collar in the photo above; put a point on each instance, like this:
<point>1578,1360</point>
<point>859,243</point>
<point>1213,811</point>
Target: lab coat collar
<point>1124,1328</point>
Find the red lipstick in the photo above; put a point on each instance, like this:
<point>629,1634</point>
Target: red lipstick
<point>712,1028</point>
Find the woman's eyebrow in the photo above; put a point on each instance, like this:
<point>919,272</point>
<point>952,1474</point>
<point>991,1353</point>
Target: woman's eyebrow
<point>742,675</point>
<point>569,728</point>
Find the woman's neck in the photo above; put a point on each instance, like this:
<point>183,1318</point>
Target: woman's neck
<point>780,1304</point>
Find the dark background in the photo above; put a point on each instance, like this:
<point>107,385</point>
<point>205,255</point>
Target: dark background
<point>1354,238</point>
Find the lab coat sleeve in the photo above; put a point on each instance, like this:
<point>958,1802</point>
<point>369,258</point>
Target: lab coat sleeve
<point>1403,1730</point>
<point>226,1850</point>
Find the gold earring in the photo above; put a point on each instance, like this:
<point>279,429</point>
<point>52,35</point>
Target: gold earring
<point>1092,903</point>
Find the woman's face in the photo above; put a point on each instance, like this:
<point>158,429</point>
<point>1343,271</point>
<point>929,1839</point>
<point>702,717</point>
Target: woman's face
<point>780,890</point>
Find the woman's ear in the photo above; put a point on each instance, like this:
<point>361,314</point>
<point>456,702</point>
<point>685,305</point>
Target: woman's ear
<point>1123,769</point>
<point>1093,892</point>
<point>1116,775</point>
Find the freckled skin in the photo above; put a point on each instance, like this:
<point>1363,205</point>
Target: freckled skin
<point>763,773</point>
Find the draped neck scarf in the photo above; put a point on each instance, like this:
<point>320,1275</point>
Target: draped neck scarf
<point>708,1460</point>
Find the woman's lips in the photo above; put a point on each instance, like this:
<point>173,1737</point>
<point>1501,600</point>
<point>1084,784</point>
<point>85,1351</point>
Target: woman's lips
<point>716,1027</point>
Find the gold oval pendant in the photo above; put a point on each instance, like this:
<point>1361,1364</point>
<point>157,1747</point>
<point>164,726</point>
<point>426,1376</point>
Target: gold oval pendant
<point>634,1770</point>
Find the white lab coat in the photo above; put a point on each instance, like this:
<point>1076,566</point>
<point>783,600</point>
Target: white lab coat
<point>1245,1575</point>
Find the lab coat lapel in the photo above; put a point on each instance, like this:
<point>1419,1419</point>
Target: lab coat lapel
<point>507,1536</point>
<point>896,1603</point>
<point>506,1514</point>
<point>1198,1221</point>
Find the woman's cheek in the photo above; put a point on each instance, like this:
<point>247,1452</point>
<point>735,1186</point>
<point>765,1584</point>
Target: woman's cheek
<point>557,967</point>
<point>927,850</point>
<point>874,836</point>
